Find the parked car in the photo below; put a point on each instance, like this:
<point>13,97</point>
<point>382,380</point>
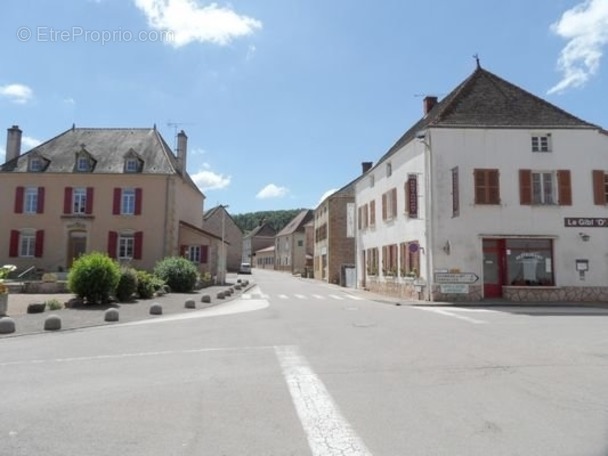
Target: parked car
<point>245,268</point>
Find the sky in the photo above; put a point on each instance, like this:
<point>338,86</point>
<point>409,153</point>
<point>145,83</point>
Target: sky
<point>282,100</point>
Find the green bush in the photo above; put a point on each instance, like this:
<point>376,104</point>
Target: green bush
<point>147,284</point>
<point>94,277</point>
<point>54,304</point>
<point>177,272</point>
<point>127,285</point>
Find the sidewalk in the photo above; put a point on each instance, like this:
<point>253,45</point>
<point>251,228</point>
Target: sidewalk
<point>88,316</point>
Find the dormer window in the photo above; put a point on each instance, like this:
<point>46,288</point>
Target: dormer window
<point>389,170</point>
<point>83,164</point>
<point>36,164</point>
<point>132,165</point>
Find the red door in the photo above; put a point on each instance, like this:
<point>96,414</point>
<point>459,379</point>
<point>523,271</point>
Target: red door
<point>493,267</point>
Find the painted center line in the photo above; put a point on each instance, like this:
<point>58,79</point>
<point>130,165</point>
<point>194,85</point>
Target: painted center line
<point>328,432</point>
<point>453,315</point>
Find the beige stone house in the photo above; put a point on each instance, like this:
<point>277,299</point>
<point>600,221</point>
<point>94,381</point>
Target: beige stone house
<point>218,221</point>
<point>256,240</point>
<point>264,258</point>
<point>290,244</point>
<point>115,190</point>
<point>334,240</point>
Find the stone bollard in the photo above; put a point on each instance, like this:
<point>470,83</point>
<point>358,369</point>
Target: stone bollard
<point>52,323</point>
<point>237,287</point>
<point>7,325</point>
<point>36,307</point>
<point>239,281</point>
<point>190,304</point>
<point>229,291</point>
<point>206,298</point>
<point>111,315</point>
<point>220,295</point>
<point>156,309</point>
<point>245,283</point>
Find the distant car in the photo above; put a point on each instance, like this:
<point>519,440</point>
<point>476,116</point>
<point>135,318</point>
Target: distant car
<point>245,268</point>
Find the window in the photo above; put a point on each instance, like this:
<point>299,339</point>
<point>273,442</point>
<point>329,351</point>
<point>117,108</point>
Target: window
<point>411,196</point>
<point>83,164</point>
<point>26,243</point>
<point>193,253</point>
<point>127,201</point>
<point>372,213</point>
<point>30,204</point>
<point>541,143</point>
<point>389,260</point>
<point>126,246</point>
<point>529,262</point>
<point>300,243</point>
<point>487,189</point>
<point>409,253</point>
<point>372,261</point>
<point>79,201</point>
<point>455,193</point>
<point>363,217</point>
<point>36,164</point>
<point>545,187</point>
<point>600,187</point>
<point>132,165</point>
<point>389,170</point>
<point>389,204</point>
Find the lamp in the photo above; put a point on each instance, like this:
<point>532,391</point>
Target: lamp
<point>584,236</point>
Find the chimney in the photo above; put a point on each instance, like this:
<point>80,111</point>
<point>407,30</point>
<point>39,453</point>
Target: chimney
<point>182,149</point>
<point>366,166</point>
<point>13,143</point>
<point>429,103</point>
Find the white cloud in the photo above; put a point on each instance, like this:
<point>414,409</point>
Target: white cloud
<point>272,191</point>
<point>189,21</point>
<point>208,180</point>
<point>17,93</point>
<point>585,26</point>
<point>326,194</point>
<point>27,143</point>
<point>69,101</point>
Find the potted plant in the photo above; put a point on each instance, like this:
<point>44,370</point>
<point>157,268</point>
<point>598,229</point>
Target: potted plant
<point>4,272</point>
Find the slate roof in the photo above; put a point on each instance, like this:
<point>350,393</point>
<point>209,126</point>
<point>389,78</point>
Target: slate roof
<point>484,100</point>
<point>297,223</point>
<point>263,230</point>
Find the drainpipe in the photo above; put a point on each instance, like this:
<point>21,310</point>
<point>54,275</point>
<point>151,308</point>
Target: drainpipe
<point>428,163</point>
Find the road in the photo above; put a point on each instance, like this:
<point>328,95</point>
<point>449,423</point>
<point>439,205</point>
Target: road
<point>297,367</point>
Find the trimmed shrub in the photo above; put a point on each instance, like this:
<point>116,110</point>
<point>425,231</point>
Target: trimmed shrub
<point>54,304</point>
<point>127,285</point>
<point>177,272</point>
<point>147,284</point>
<point>94,277</point>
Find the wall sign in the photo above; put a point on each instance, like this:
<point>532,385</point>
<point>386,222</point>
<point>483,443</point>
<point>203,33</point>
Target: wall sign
<point>587,222</point>
<point>454,288</point>
<point>456,277</point>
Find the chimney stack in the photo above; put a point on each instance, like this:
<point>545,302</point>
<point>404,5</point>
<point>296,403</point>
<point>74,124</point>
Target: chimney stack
<point>182,150</point>
<point>366,166</point>
<point>13,143</point>
<point>429,103</point>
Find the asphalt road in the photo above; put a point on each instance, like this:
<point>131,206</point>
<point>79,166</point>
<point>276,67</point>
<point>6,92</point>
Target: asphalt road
<point>295,367</point>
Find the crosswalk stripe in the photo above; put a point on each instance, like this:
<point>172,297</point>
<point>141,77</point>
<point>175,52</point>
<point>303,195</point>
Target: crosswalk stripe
<point>283,296</point>
<point>318,296</point>
<point>299,296</point>
<point>339,298</point>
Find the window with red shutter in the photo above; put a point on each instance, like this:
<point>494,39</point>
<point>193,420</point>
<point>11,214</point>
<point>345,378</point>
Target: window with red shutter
<point>564,187</point>
<point>525,187</point>
<point>138,200</point>
<point>112,244</point>
<point>89,202</point>
<point>116,201</point>
<point>40,205</point>
<point>204,254</point>
<point>19,195</point>
<point>372,213</point>
<point>600,187</point>
<point>14,244</point>
<point>67,200</point>
<point>487,189</point>
<point>137,249</point>
<point>39,246</point>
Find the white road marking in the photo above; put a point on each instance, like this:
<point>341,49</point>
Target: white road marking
<point>282,296</point>
<point>355,298</point>
<point>299,296</point>
<point>339,298</point>
<point>453,315</point>
<point>328,432</point>
<point>318,296</point>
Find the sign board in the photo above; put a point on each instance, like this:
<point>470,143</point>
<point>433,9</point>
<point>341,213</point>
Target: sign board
<point>456,277</point>
<point>585,222</point>
<point>454,288</point>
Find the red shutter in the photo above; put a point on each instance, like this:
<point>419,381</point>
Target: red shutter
<point>183,250</point>
<point>112,243</point>
<point>14,245</point>
<point>139,240</point>
<point>384,206</point>
<point>565,187</point>
<point>40,207</point>
<point>359,219</point>
<point>204,253</point>
<point>116,201</point>
<point>599,189</point>
<point>67,200</point>
<point>89,205</point>
<point>138,200</point>
<point>394,202</point>
<point>39,245</point>
<point>19,200</point>
<point>525,187</point>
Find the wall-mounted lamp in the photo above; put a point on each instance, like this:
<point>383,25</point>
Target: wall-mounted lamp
<point>447,248</point>
<point>584,236</point>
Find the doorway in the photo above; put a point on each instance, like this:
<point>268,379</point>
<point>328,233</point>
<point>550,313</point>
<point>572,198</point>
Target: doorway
<point>493,267</point>
<point>77,246</point>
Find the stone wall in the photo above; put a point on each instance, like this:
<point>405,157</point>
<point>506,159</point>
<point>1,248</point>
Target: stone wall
<point>556,294</point>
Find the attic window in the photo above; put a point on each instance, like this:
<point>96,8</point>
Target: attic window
<point>372,180</point>
<point>541,143</point>
<point>36,165</point>
<point>131,165</point>
<point>83,164</point>
<point>389,170</point>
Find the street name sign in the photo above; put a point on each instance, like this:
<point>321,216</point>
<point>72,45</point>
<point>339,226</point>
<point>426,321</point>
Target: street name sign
<point>456,277</point>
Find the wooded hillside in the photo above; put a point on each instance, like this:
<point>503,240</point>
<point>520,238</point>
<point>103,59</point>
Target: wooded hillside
<point>277,219</point>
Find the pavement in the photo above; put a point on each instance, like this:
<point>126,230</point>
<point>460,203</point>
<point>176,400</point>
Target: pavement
<point>94,315</point>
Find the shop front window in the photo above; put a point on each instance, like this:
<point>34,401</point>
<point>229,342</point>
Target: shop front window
<point>530,262</point>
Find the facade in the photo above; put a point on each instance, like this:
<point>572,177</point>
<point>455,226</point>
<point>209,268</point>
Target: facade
<point>264,258</point>
<point>120,191</point>
<point>494,193</point>
<point>258,239</point>
<point>219,222</point>
<point>334,240</point>
<point>291,244</point>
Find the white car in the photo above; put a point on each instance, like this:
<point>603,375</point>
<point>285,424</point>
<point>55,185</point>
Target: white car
<point>245,268</point>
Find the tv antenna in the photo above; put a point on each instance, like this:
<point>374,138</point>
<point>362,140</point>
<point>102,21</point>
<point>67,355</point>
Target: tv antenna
<point>176,126</point>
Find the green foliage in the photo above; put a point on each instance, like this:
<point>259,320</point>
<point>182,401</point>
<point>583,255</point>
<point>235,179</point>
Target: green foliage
<point>94,277</point>
<point>54,304</point>
<point>178,273</point>
<point>147,284</point>
<point>127,285</point>
<point>276,219</point>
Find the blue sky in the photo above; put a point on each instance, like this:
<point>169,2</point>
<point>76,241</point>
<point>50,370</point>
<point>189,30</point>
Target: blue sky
<point>283,99</point>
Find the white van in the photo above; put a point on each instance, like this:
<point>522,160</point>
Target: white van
<point>245,268</point>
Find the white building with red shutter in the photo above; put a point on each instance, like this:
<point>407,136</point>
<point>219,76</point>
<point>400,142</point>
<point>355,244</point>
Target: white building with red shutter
<point>115,190</point>
<point>494,193</point>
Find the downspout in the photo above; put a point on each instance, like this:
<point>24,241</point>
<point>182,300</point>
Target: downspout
<point>165,248</point>
<point>429,215</point>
